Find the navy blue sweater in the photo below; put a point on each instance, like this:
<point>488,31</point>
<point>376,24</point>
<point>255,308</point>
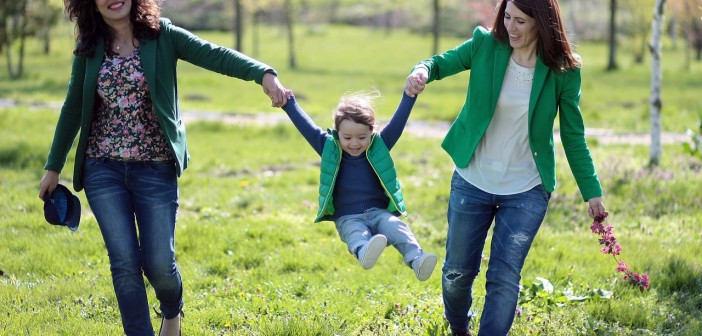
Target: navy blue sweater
<point>357,186</point>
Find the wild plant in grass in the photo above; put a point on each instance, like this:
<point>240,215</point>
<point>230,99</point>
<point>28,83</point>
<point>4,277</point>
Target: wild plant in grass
<point>612,246</point>
<point>694,145</point>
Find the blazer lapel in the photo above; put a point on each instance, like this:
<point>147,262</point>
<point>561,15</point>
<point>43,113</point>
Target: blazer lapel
<point>537,84</point>
<point>92,67</point>
<point>147,51</point>
<point>502,53</point>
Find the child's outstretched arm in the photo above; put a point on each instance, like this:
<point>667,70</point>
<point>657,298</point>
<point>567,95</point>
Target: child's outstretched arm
<point>392,131</point>
<point>315,135</point>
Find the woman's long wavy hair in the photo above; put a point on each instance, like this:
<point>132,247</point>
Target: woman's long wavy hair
<point>552,45</point>
<point>144,16</point>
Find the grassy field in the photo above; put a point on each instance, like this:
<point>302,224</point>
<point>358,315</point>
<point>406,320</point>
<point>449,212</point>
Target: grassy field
<point>252,261</point>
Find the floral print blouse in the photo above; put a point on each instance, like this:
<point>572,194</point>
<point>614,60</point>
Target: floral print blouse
<point>124,125</point>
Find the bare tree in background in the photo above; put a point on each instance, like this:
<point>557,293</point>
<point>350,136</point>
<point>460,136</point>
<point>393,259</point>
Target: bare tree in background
<point>14,19</point>
<point>612,64</point>
<point>435,24</point>
<point>687,14</point>
<point>292,61</point>
<point>656,83</point>
<point>238,25</point>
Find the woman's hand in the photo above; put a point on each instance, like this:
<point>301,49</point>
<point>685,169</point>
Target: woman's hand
<point>275,90</point>
<point>595,207</point>
<point>48,183</point>
<point>416,81</point>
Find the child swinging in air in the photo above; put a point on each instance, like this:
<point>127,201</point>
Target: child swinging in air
<point>359,190</point>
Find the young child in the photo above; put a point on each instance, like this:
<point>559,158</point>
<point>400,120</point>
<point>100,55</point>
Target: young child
<point>359,190</point>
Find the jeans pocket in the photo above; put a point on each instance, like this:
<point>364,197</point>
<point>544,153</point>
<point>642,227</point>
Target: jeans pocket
<point>546,194</point>
<point>93,162</point>
<point>162,167</point>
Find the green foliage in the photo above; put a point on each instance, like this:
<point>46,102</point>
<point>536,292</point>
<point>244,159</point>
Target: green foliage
<point>614,100</point>
<point>694,146</point>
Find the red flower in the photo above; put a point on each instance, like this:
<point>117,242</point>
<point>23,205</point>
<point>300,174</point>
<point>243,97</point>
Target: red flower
<point>611,246</point>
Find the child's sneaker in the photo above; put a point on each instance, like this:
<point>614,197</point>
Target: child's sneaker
<point>424,265</point>
<point>370,252</point>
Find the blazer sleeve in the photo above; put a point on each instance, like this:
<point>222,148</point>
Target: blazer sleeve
<point>69,121</point>
<point>202,53</point>
<point>572,131</point>
<point>455,60</point>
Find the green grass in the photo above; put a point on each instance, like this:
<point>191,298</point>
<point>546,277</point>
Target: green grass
<point>252,261</point>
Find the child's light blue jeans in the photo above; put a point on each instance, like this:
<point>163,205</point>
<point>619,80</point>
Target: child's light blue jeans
<point>356,230</point>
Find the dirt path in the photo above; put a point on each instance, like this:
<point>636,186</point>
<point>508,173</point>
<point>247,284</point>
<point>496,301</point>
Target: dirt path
<point>425,129</point>
<point>435,129</point>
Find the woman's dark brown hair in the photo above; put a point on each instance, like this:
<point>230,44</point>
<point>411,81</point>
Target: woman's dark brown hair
<point>552,45</point>
<point>90,26</point>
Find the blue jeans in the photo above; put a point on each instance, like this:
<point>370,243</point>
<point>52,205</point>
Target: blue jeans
<point>471,212</point>
<point>356,230</point>
<point>135,205</point>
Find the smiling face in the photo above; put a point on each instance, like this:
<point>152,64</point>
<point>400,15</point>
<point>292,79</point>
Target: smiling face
<point>114,11</point>
<point>521,28</point>
<point>354,137</point>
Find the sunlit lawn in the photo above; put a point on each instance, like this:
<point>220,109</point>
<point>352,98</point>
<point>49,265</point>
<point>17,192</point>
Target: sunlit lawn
<point>253,263</point>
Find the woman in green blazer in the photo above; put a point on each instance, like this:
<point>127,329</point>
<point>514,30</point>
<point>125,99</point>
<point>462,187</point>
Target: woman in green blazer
<point>123,101</point>
<point>523,74</point>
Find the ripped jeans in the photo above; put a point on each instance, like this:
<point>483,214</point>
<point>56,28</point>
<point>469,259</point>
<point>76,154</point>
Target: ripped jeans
<point>471,212</point>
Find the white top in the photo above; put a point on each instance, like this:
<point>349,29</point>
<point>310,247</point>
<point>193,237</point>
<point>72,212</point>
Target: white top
<point>502,163</point>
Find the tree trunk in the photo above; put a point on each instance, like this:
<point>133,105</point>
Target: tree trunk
<point>18,31</point>
<point>3,26</point>
<point>333,11</point>
<point>387,18</point>
<point>612,65</point>
<point>238,26</point>
<point>255,32</point>
<point>46,36</point>
<point>673,32</point>
<point>435,24</point>
<point>656,83</point>
<point>572,22</point>
<point>292,62</point>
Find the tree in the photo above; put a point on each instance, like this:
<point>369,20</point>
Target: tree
<point>638,24</point>
<point>42,17</point>
<point>292,58</point>
<point>238,25</point>
<point>656,83</point>
<point>435,24</point>
<point>612,64</point>
<point>13,23</point>
<point>687,14</point>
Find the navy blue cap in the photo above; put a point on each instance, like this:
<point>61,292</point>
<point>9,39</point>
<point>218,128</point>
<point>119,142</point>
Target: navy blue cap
<point>62,208</point>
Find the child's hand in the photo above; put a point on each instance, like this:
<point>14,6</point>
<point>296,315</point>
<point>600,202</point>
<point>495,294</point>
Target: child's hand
<point>416,81</point>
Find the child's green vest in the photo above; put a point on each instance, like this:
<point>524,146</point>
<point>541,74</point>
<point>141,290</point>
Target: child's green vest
<point>377,154</point>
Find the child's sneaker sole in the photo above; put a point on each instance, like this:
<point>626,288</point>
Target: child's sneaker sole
<point>424,266</point>
<point>370,252</point>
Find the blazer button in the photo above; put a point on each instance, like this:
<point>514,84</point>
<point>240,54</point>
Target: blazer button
<point>536,154</point>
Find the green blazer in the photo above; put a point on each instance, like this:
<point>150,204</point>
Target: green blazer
<point>552,93</point>
<point>159,58</point>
